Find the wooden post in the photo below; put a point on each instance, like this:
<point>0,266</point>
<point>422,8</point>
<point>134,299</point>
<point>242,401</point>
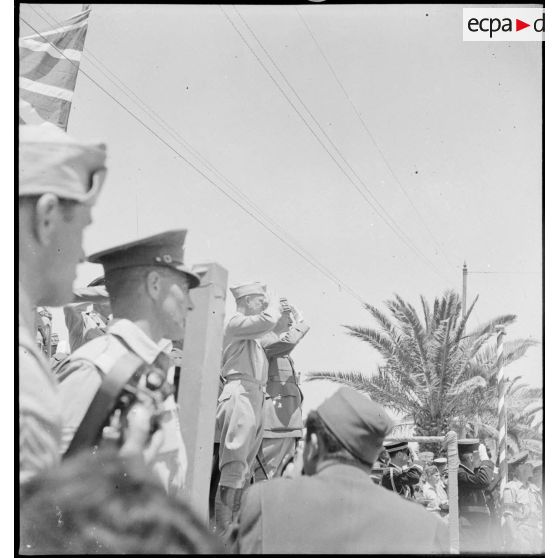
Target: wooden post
<point>453,466</point>
<point>199,381</point>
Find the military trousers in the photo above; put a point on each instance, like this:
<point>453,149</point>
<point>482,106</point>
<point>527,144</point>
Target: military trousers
<point>239,430</point>
<point>273,452</point>
<point>474,531</point>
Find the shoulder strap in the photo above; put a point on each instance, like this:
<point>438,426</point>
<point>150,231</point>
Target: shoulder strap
<point>104,402</point>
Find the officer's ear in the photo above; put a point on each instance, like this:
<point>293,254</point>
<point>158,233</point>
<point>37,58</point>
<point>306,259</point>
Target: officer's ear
<point>46,216</point>
<point>154,284</point>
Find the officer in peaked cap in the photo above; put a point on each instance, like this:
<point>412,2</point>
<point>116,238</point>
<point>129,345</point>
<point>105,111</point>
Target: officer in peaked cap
<point>239,422</point>
<point>334,508</point>
<point>148,284</point>
<point>401,475</point>
<point>522,505</point>
<point>59,180</point>
<point>474,476</point>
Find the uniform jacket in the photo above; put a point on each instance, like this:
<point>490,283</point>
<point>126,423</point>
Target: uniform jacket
<point>81,376</point>
<point>39,406</point>
<point>471,486</point>
<point>83,323</point>
<point>401,481</point>
<point>243,355</point>
<point>523,502</point>
<point>282,410</point>
<point>338,510</point>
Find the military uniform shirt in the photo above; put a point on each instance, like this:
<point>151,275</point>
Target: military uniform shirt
<point>81,378</point>
<point>39,405</point>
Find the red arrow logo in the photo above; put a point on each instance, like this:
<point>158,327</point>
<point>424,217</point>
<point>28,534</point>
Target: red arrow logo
<point>519,25</point>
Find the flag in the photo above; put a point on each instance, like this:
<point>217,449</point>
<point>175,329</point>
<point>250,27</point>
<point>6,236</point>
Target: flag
<point>49,64</point>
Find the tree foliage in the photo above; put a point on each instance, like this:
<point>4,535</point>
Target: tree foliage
<point>434,373</point>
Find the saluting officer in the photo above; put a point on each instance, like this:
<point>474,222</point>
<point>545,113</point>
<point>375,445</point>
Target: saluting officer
<point>59,180</point>
<point>522,508</point>
<point>401,475</point>
<point>239,423</point>
<point>474,475</point>
<point>149,288</point>
<point>282,409</point>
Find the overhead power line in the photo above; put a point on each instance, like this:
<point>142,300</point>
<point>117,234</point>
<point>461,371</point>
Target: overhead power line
<point>322,269</point>
<point>138,101</point>
<point>372,139</point>
<point>390,222</point>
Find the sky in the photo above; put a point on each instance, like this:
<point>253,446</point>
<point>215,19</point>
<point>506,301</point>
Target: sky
<point>450,150</point>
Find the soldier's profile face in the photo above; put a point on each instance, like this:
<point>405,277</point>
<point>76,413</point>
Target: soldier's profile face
<point>174,304</point>
<point>255,304</point>
<point>66,252</point>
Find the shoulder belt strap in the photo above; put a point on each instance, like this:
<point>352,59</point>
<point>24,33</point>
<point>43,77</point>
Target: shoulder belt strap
<point>104,402</point>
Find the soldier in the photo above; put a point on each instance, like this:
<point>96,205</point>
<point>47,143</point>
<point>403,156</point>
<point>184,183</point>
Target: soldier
<point>522,508</point>
<point>334,508</point>
<point>401,475</point>
<point>239,426</point>
<point>88,315</point>
<point>473,477</point>
<point>149,290</point>
<point>59,180</point>
<point>282,410</point>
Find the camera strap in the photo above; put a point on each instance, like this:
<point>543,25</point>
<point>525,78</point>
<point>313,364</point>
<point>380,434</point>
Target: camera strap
<point>104,402</point>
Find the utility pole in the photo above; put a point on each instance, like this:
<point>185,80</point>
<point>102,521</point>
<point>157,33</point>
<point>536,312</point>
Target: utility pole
<point>464,297</point>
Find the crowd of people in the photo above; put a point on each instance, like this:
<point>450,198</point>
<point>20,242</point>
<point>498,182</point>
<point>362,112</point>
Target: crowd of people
<point>103,462</point>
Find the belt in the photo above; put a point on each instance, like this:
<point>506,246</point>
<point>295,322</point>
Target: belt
<point>290,379</point>
<point>475,509</point>
<point>243,378</point>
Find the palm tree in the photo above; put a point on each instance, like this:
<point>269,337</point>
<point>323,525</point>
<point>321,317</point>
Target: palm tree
<point>524,417</point>
<point>431,368</point>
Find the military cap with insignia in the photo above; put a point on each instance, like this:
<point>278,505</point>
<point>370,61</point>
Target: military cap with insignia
<point>357,422</point>
<point>52,161</point>
<point>394,447</point>
<point>519,458</point>
<point>467,445</point>
<point>440,461</point>
<point>164,249</point>
<point>245,289</point>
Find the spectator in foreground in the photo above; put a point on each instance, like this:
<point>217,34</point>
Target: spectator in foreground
<point>103,504</point>
<point>59,180</point>
<point>334,508</point>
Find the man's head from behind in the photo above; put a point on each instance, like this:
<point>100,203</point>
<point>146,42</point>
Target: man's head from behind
<point>104,504</point>
<point>348,427</point>
<point>250,298</point>
<point>59,180</point>
<point>148,280</point>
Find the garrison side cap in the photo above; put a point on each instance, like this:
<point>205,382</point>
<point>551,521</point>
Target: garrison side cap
<point>52,161</point>
<point>359,423</point>
<point>394,447</point>
<point>245,289</point>
<point>164,249</point>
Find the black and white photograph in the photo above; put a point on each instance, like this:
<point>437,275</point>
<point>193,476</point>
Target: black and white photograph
<point>281,274</point>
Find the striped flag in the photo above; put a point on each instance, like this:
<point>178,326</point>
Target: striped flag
<point>49,64</point>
